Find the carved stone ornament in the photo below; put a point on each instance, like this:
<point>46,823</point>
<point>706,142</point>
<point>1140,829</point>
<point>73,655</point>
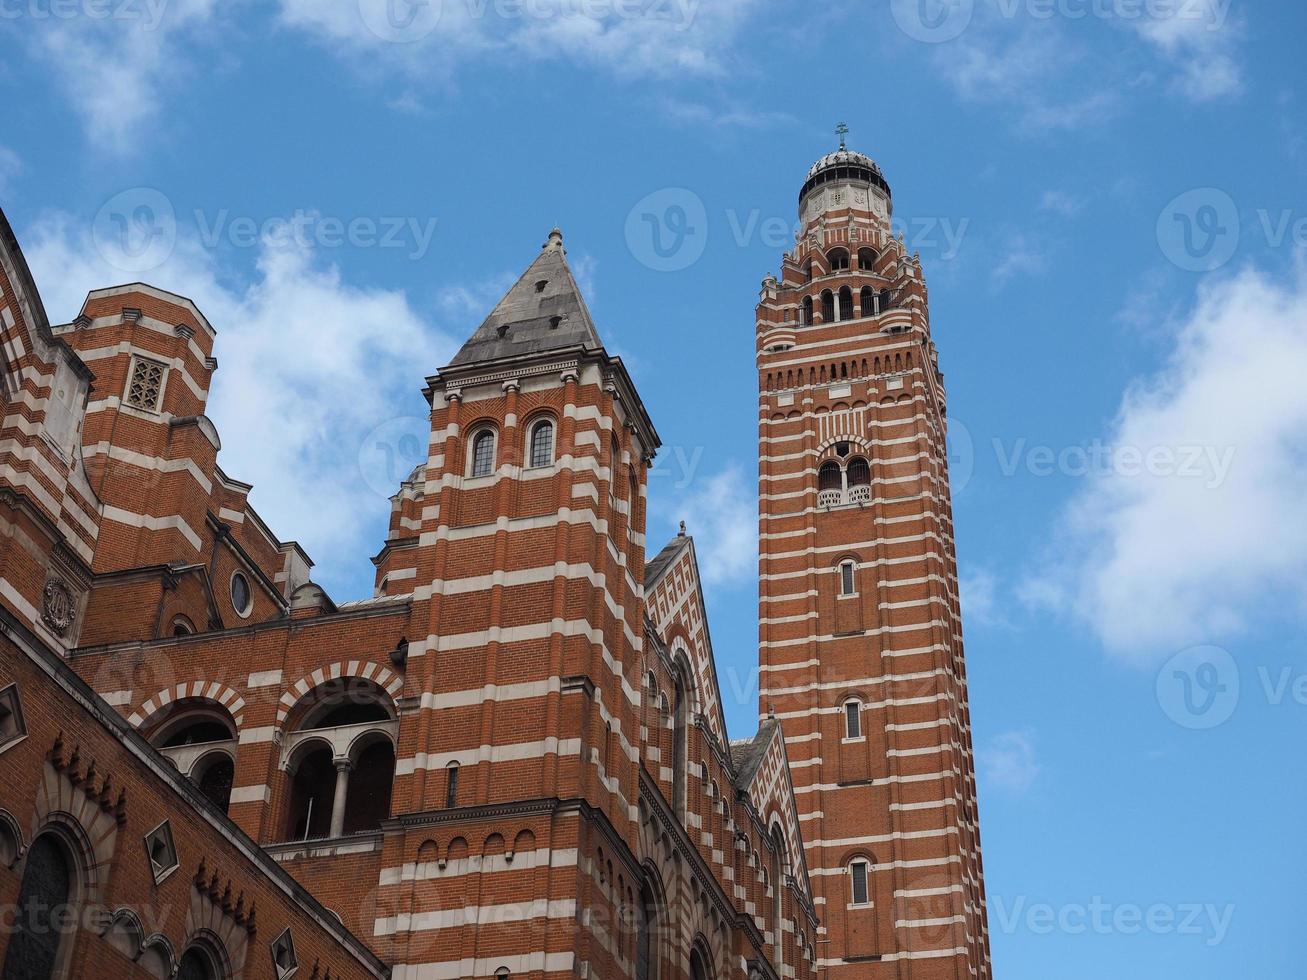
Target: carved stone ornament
<point>57,606</point>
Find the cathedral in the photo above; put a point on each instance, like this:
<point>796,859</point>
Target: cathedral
<point>511,760</point>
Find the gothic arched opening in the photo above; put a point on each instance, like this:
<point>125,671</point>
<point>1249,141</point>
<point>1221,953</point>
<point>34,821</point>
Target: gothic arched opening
<point>41,925</point>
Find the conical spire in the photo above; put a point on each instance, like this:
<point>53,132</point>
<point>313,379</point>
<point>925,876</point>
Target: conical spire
<point>543,311</point>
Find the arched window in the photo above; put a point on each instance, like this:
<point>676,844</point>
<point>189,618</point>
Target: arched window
<point>197,964</point>
<point>680,717</point>
<point>779,868</point>
<point>860,879</point>
<point>827,306</point>
<point>859,472</point>
<point>883,301</point>
<point>866,259</point>
<point>806,318</point>
<point>214,774</point>
<point>812,270</point>
<point>646,935</point>
<point>828,477</point>
<point>853,718</point>
<point>451,786</point>
<point>848,578</point>
<point>867,299</point>
<point>846,303</point>
<point>371,778</point>
<point>839,259</point>
<point>312,795</point>
<point>699,965</point>
<point>542,443</point>
<point>483,453</point>
<point>37,935</point>
<point>181,626</point>
<point>199,738</point>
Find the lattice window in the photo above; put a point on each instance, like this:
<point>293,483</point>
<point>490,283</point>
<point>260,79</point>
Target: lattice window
<point>146,384</point>
<point>542,443</point>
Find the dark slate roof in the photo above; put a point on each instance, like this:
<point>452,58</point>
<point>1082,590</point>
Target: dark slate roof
<point>747,754</point>
<point>654,568</point>
<point>524,320</point>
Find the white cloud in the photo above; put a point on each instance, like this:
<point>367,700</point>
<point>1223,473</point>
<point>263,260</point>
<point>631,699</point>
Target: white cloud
<point>1061,202</point>
<point>1199,40</point>
<point>309,366</point>
<point>633,41</point>
<point>10,167</point>
<point>1007,761</point>
<point>115,70</point>
<point>1021,256</point>
<point>1212,534</point>
<point>720,511</point>
<point>978,594</point>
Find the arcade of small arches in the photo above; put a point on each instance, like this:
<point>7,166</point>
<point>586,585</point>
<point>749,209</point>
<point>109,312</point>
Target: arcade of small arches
<point>838,371</point>
<point>844,479</point>
<point>337,756</point>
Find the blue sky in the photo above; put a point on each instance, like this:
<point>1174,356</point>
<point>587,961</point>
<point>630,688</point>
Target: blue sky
<point>1107,196</point>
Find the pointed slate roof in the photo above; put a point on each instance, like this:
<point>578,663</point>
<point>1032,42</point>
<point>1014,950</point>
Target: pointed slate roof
<point>543,311</point>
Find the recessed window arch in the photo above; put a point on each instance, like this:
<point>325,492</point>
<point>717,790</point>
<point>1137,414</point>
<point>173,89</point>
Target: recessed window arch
<point>839,259</point>
<point>540,443</point>
<point>859,471</point>
<point>39,946</point>
<point>827,306</point>
<point>852,718</point>
<point>829,476</point>
<point>846,303</point>
<point>867,300</point>
<point>198,963</point>
<point>182,626</point>
<point>779,869</point>
<point>699,969</point>
<point>481,460</point>
<point>806,315</point>
<point>680,735</point>
<point>648,922</point>
<point>848,573</point>
<point>866,259</point>
<point>860,882</point>
<point>340,760</point>
<point>451,785</point>
<point>214,774</point>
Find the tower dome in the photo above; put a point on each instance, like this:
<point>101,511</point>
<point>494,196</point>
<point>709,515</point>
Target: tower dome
<point>844,165</point>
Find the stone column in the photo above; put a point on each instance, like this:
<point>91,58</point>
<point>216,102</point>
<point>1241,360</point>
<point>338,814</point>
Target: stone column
<point>343,767</point>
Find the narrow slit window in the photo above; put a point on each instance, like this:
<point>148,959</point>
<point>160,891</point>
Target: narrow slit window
<point>852,719</point>
<point>861,891</point>
<point>847,582</point>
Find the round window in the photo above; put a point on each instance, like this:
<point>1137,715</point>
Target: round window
<point>240,594</point>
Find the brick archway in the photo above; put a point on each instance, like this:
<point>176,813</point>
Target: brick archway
<point>190,690</point>
<point>348,670</point>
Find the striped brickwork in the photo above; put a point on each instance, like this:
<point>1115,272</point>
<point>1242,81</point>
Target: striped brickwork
<point>849,382</point>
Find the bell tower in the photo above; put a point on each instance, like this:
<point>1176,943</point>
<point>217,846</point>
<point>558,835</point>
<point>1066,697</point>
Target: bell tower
<point>860,638</point>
